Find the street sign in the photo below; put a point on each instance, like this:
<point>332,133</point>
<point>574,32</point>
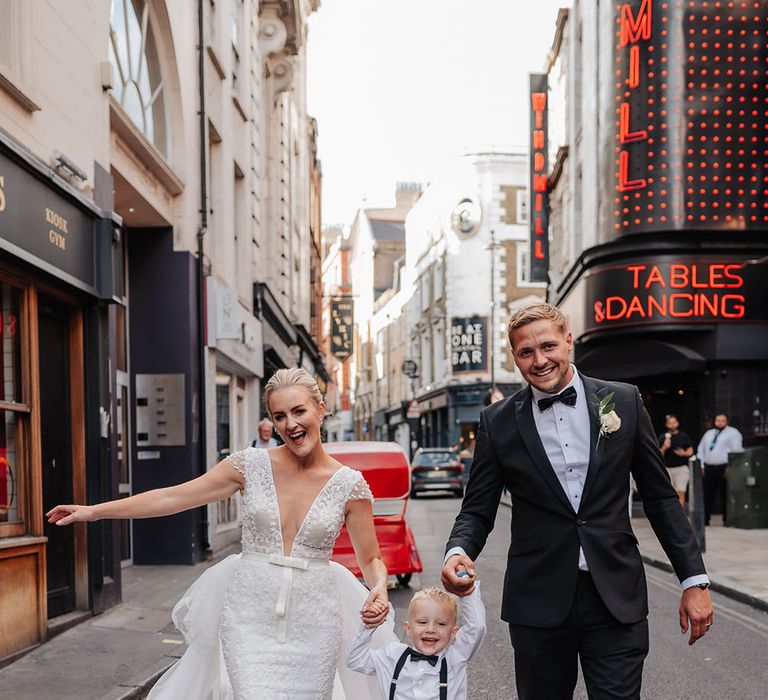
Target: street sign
<point>410,369</point>
<point>413,411</point>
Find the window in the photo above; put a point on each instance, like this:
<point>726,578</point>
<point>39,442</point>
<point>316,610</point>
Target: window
<point>13,414</point>
<point>521,206</point>
<point>226,511</point>
<point>15,54</point>
<point>138,80</point>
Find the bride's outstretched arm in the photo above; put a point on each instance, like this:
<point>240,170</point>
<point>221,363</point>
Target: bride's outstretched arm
<point>363,536</point>
<point>215,485</point>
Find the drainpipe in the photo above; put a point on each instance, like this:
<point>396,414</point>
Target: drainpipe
<point>201,267</point>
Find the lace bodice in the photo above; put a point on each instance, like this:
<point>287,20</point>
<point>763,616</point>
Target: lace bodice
<point>261,513</point>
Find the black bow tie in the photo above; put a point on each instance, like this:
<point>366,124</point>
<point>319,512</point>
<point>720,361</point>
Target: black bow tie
<point>417,656</point>
<point>568,397</point>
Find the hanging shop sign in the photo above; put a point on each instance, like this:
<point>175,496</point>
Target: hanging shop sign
<point>468,344</point>
<point>666,290</point>
<point>539,197</point>
<point>342,318</point>
<point>691,115</point>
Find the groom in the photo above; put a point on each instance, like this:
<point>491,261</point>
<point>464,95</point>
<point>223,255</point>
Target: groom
<point>575,586</point>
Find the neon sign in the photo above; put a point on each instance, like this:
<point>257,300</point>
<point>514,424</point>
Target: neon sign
<point>672,290</point>
<point>539,142</point>
<point>691,115</point>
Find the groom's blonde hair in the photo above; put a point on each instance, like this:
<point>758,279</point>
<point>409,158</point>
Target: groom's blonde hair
<point>536,312</point>
<point>439,596</point>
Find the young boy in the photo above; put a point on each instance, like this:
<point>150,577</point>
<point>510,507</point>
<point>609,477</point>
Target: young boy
<point>435,666</point>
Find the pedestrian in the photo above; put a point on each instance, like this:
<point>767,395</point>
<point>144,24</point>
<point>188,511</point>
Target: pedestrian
<point>564,446</point>
<point>265,438</point>
<point>715,446</point>
<point>677,447</point>
<point>434,666</point>
<point>268,623</point>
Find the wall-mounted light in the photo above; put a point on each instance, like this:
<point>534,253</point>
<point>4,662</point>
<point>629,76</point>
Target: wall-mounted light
<point>70,169</point>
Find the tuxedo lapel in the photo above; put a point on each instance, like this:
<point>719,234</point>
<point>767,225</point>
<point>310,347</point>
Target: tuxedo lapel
<point>593,394</point>
<point>532,442</point>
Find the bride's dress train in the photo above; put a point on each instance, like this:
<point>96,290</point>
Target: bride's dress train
<point>265,626</point>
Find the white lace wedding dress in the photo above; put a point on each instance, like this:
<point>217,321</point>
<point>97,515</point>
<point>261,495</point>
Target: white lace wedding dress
<point>266,626</point>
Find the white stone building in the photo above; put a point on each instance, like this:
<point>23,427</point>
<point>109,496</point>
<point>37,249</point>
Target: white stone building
<point>157,211</point>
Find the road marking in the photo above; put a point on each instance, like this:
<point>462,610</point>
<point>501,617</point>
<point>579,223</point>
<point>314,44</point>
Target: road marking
<point>720,609</point>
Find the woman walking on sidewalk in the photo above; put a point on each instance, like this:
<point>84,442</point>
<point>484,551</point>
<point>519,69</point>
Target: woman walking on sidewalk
<point>279,609</point>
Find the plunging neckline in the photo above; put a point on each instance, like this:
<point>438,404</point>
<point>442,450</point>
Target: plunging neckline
<point>306,515</point>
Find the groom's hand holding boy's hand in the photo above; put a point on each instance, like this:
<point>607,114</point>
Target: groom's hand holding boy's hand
<point>458,575</point>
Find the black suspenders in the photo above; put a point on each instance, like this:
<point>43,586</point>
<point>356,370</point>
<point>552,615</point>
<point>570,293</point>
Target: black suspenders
<point>399,667</point>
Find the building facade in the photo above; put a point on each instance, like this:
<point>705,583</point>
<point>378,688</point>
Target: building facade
<point>467,260</point>
<point>159,214</point>
<point>660,203</point>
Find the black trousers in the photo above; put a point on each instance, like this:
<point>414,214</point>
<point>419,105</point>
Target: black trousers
<point>714,489</point>
<point>611,653</point>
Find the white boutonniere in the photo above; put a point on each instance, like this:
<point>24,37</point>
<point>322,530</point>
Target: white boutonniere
<point>606,414</point>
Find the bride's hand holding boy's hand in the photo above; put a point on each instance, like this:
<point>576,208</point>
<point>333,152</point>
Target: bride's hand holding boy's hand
<point>376,607</point>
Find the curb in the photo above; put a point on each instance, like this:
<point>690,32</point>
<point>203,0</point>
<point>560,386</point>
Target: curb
<point>727,591</point>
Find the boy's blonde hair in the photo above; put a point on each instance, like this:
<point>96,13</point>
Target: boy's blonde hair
<point>439,596</point>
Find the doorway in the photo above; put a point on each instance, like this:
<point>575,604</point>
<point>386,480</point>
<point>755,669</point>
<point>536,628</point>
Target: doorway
<point>56,449</point>
<point>676,394</point>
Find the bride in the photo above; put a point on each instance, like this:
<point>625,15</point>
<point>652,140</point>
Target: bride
<point>268,624</point>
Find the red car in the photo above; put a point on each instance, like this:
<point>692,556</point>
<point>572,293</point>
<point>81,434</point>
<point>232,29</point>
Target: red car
<point>386,470</point>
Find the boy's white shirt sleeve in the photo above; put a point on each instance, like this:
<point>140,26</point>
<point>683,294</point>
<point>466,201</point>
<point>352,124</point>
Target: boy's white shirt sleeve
<point>472,631</point>
<point>360,654</point>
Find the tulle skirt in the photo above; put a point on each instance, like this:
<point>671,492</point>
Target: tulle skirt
<point>201,673</point>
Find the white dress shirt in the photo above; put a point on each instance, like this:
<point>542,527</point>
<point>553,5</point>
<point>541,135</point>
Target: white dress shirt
<point>728,440</point>
<point>565,434</point>
<point>419,680</point>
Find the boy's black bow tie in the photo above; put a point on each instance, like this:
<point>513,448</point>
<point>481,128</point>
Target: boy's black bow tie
<point>568,397</point>
<point>418,656</point>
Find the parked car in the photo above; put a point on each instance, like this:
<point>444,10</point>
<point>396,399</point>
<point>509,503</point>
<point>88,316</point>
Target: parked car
<point>437,469</point>
<point>385,467</point>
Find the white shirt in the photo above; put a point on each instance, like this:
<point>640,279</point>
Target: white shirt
<point>728,440</point>
<point>419,680</point>
<point>565,433</point>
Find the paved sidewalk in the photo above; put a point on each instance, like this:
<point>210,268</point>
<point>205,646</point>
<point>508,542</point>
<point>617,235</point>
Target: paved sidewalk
<point>736,560</point>
<point>114,656</point>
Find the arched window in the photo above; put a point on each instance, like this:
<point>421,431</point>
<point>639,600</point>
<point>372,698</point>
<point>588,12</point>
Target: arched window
<point>138,82</point>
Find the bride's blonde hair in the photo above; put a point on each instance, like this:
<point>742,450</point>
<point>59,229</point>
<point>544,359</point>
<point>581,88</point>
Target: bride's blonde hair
<point>291,377</point>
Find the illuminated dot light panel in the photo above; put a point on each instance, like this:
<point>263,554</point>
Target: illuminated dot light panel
<point>691,115</point>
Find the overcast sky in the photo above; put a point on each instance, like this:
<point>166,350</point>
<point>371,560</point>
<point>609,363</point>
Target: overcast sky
<point>399,86</point>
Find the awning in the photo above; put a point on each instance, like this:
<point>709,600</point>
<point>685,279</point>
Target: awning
<point>629,359</point>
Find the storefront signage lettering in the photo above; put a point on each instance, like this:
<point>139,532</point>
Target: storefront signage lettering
<point>468,353</point>
<point>342,318</point>
<point>56,234</point>
<point>539,144</point>
<point>690,109</point>
<point>632,30</point>
<point>673,291</point>
<point>46,228</point>
<point>8,323</point>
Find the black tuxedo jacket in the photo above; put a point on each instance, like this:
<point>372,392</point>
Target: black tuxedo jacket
<point>542,562</point>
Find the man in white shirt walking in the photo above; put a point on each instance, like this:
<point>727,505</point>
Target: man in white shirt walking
<point>715,446</point>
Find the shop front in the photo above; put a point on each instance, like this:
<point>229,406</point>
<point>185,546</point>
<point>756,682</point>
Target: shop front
<point>688,324</point>
<point>59,269</point>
